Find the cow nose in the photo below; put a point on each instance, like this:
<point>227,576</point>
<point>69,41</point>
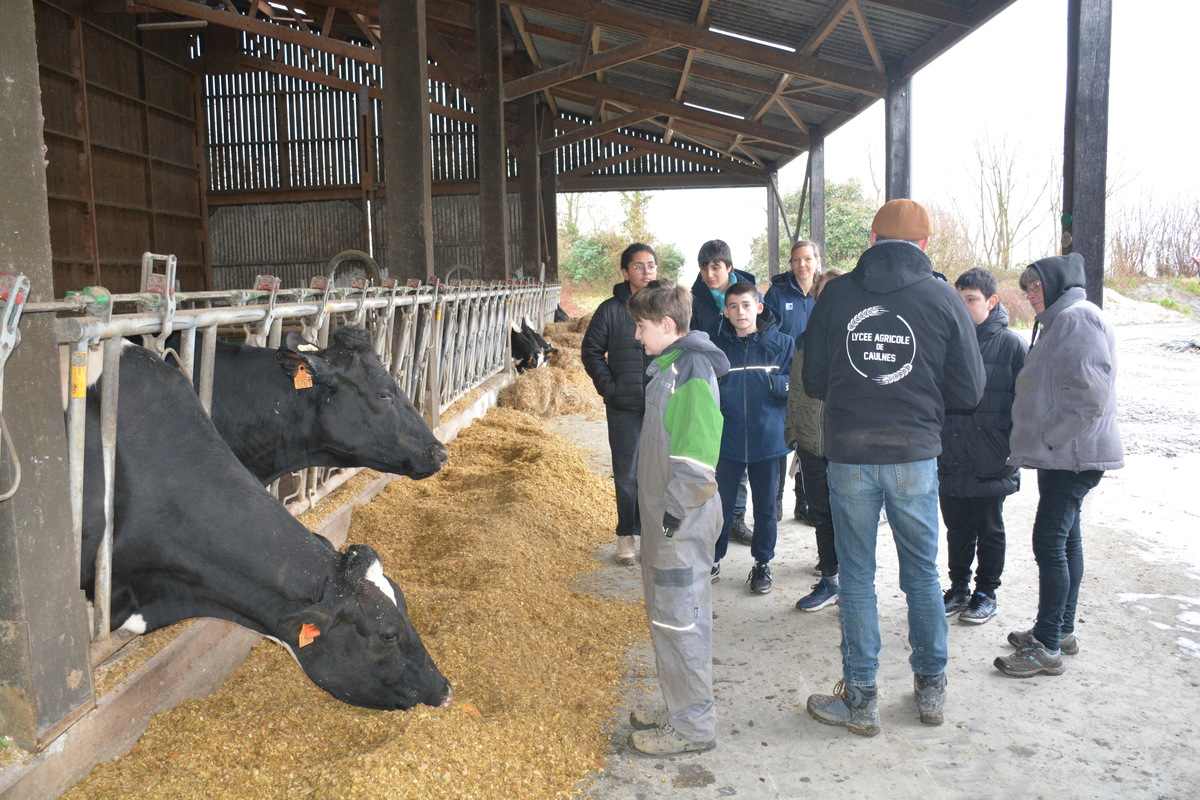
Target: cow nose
<point>439,454</point>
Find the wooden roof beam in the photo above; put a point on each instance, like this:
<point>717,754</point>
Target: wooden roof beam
<point>584,66</point>
<point>868,39</point>
<point>590,89</point>
<point>671,151</point>
<point>857,80</point>
<point>932,10</point>
<point>594,130</point>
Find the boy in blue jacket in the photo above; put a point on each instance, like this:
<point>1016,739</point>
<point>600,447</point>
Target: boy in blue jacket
<point>754,405</point>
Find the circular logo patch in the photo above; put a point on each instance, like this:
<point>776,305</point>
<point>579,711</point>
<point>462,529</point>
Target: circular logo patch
<point>880,345</point>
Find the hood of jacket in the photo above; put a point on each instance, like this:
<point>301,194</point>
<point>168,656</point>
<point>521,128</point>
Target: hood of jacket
<point>891,265</point>
<point>699,342</point>
<point>622,292</point>
<point>1059,273</point>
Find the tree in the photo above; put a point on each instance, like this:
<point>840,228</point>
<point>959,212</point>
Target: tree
<point>1006,204</point>
<point>848,215</point>
<point>594,258</point>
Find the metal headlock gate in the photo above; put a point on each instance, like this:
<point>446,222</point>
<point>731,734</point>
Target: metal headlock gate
<point>438,341</point>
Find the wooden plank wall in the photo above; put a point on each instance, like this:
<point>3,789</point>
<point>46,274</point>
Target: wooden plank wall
<point>123,170</point>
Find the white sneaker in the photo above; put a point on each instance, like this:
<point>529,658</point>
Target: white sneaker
<point>625,551</point>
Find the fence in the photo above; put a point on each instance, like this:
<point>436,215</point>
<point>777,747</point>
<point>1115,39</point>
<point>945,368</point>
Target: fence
<point>439,342</point>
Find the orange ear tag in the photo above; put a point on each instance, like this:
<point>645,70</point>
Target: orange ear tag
<point>302,380</point>
<point>308,632</point>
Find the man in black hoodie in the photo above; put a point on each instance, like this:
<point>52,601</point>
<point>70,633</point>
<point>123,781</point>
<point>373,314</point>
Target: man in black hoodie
<point>616,363</point>
<point>890,348</point>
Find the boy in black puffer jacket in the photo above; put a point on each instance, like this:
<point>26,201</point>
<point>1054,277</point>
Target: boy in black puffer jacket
<point>973,478</point>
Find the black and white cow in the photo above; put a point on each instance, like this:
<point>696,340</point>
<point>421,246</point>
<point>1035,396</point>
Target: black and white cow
<point>529,349</point>
<point>351,415</point>
<point>196,535</point>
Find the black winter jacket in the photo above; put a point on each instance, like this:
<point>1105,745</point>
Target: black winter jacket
<point>975,445</point>
<point>890,348</point>
<point>705,314</point>
<point>612,357</point>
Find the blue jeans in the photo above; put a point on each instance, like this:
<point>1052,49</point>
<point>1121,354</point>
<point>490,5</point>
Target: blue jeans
<point>763,477</point>
<point>856,493</point>
<point>1058,550</point>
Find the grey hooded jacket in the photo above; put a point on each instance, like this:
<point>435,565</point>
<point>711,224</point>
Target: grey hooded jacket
<point>1065,408</point>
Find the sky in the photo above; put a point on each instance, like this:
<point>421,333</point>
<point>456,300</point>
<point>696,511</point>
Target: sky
<point>1006,84</point>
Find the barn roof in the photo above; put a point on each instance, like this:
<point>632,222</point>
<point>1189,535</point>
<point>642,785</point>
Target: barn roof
<point>646,93</point>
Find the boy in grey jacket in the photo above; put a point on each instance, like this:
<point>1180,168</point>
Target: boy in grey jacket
<point>681,515</point>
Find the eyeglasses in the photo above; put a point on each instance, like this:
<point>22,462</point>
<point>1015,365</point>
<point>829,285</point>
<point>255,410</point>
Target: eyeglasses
<point>1034,288</point>
<point>643,266</point>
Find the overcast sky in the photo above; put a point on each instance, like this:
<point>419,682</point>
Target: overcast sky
<point>1006,82</point>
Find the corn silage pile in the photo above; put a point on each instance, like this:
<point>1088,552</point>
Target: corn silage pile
<point>487,552</point>
<point>560,386</point>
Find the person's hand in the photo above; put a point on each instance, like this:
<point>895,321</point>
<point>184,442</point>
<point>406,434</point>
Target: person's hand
<point>670,525</point>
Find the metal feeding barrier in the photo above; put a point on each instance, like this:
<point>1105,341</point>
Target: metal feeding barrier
<point>439,342</point>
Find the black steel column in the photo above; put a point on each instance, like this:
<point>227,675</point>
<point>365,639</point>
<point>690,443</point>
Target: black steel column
<point>816,214</point>
<point>491,153</point>
<point>898,147</point>
<point>45,678</point>
<point>1085,140</point>
<point>407,174</point>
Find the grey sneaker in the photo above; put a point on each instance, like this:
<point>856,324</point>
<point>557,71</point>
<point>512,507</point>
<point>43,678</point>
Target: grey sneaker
<point>980,608</point>
<point>930,691</point>
<point>955,599</point>
<point>665,741</point>
<point>738,532</point>
<point>626,554</point>
<point>1030,660</point>
<point>714,574</point>
<point>853,707</point>
<point>644,719</point>
<point>1068,644</point>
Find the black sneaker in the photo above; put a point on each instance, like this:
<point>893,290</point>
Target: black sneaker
<point>715,574</point>
<point>738,532</point>
<point>760,578</point>
<point>801,514</point>
<point>980,608</point>
<point>955,599</point>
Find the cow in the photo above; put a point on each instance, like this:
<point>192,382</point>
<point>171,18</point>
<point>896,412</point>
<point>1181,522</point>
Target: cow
<point>529,349</point>
<point>345,411</point>
<point>196,535</point>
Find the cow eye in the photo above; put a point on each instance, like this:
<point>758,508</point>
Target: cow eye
<point>385,396</point>
<point>389,637</point>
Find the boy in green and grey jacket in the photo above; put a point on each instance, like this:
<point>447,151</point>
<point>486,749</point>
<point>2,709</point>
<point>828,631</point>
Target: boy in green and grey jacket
<point>681,517</point>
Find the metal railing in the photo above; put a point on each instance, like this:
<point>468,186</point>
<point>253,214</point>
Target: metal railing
<point>438,341</point>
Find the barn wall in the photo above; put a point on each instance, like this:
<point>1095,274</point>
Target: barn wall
<point>295,241</point>
<point>122,170</point>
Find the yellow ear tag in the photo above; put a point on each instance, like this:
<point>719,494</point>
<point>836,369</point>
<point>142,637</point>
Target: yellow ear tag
<point>302,380</point>
<point>308,632</point>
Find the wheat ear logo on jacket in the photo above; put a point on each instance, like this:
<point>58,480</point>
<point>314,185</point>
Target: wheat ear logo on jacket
<point>880,345</point>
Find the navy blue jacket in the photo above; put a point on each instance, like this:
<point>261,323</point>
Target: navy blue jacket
<point>790,304</point>
<point>974,455</point>
<point>754,391</point>
<point>705,314</point>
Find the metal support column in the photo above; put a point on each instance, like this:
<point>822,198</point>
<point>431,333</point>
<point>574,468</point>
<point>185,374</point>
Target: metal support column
<point>816,213</point>
<point>491,151</point>
<point>1085,140</point>
<point>898,139</point>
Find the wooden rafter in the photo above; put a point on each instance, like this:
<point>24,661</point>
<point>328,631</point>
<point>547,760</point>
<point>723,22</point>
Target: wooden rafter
<point>709,119</point>
<point>671,151</point>
<point>868,38</point>
<point>583,66</point>
<point>857,80</point>
<point>680,87</point>
<point>595,129</point>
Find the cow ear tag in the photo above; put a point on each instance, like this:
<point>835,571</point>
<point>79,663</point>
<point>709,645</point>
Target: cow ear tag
<point>308,632</point>
<point>302,380</point>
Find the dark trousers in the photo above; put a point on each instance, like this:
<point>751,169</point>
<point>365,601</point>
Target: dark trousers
<point>763,477</point>
<point>624,429</point>
<point>801,500</point>
<point>974,530</point>
<point>816,489</point>
<point>1058,550</point>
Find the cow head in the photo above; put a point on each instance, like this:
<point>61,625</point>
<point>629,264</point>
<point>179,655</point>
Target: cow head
<point>362,418</point>
<point>358,644</point>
